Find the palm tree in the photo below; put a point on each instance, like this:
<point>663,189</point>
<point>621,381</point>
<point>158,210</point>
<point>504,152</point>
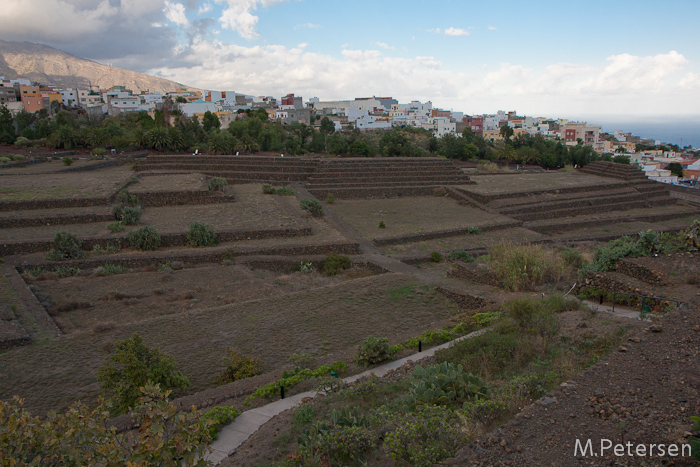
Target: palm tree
<point>158,137</point>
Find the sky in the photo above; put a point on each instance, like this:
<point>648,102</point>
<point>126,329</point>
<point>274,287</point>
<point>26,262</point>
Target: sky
<point>544,58</point>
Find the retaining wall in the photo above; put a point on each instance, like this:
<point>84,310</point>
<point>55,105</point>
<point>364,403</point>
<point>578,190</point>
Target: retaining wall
<point>463,300</point>
<point>419,237</point>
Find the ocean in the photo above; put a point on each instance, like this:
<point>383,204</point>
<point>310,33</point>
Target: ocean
<point>671,130</point>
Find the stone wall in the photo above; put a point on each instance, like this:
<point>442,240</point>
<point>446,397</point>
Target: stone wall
<point>475,273</point>
<point>463,300</point>
<point>419,237</point>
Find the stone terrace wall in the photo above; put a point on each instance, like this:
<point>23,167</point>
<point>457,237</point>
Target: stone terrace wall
<point>174,198</point>
<point>645,274</point>
<point>12,333</point>
<point>474,273</point>
<point>196,257</point>
<point>167,240</point>
<point>52,203</point>
<point>463,300</point>
<point>13,223</point>
<point>419,237</point>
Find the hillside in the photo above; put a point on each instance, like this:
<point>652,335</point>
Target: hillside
<point>50,66</point>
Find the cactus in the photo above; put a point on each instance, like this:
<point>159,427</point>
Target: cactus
<point>445,383</point>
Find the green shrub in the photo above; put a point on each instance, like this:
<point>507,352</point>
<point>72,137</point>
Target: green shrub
<point>217,183</point>
<point>330,198</point>
<point>268,189</point>
<point>306,266</point>
<point>444,383</point>
<point>98,151</point>
<point>132,366</point>
<point>694,441</point>
<point>127,198</point>
<point>219,418</point>
<point>345,444</point>
<point>292,378</point>
<point>67,161</point>
<point>312,206</point>
<point>373,350</point>
<point>131,216</point>
<point>473,230</point>
<point>115,227</point>
<point>145,238</point>
<point>521,267</point>
<point>424,437</point>
<point>201,234</point>
<point>461,255</point>
<point>65,246</point>
<point>304,415</point>
<point>238,366</point>
<point>66,271</point>
<point>435,257</point>
<point>382,225</point>
<point>333,264</point>
<point>118,211</point>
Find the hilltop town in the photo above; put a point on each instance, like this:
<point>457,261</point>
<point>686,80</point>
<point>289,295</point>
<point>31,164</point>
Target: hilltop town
<point>660,162</point>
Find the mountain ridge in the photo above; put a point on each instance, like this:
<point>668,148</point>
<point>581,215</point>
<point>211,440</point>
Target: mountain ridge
<point>53,67</point>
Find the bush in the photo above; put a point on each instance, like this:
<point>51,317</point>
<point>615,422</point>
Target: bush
<point>134,365</point>
<point>424,437</point>
<point>345,444</point>
<point>333,264</point>
<point>461,255</point>
<point>382,225</point>
<point>145,238</point>
<point>435,257</point>
<point>268,189</point>
<point>98,151</point>
<point>217,183</point>
<point>201,234</point>
<point>521,267</point>
<point>127,198</point>
<point>444,383</point>
<point>473,230</point>
<point>67,161</point>
<point>218,417</point>
<point>312,206</point>
<point>373,350</point>
<point>115,227</point>
<point>83,436</point>
<point>130,216</point>
<point>330,198</point>
<point>110,269</point>
<point>694,441</point>
<point>65,246</point>
<point>238,366</point>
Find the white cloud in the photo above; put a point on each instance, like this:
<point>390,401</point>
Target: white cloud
<point>307,26</point>
<point>158,24</point>
<point>384,45</point>
<point>238,17</point>
<point>456,32</point>
<point>492,28</point>
<point>560,89</point>
<point>46,15</point>
<point>435,31</point>
<point>175,12</point>
<point>205,8</point>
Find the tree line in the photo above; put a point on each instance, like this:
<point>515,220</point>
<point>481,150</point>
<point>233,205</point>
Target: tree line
<point>253,132</point>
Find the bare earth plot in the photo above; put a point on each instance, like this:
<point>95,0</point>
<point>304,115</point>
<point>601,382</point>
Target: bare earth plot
<point>251,210</point>
<point>626,228</point>
<point>67,185</point>
<point>495,184</point>
<point>111,301</point>
<point>408,215</point>
<point>321,322</point>
<point>169,182</point>
<point>47,167</point>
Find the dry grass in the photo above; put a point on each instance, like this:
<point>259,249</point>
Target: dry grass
<point>522,267</point>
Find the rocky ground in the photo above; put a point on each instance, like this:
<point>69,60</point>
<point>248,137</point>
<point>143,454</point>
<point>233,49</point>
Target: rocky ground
<point>641,395</point>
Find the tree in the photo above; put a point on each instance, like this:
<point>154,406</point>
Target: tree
<point>506,132</point>
<point>676,169</point>
<point>467,134</point>
<point>165,436</point>
<point>8,135</point>
<point>337,144</point>
<point>210,121</point>
<point>133,366</point>
<point>327,127</point>
<point>158,137</point>
<point>181,100</point>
